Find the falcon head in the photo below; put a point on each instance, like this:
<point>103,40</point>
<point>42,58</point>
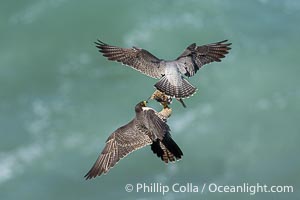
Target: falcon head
<point>144,103</point>
<point>140,105</point>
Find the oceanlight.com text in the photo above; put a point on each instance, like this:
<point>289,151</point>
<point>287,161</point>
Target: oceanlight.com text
<point>247,188</point>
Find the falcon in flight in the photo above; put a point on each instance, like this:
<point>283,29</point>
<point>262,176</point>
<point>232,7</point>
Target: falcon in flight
<point>171,74</point>
<point>147,128</point>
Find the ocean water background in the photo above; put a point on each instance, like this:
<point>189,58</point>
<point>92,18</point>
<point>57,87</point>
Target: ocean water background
<point>60,99</point>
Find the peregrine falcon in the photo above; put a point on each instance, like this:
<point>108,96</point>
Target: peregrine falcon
<point>170,73</point>
<point>147,128</point>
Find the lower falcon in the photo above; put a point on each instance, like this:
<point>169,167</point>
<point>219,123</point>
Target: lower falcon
<point>147,128</point>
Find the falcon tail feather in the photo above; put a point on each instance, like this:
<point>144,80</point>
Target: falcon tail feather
<point>183,91</point>
<point>167,149</point>
<point>170,144</point>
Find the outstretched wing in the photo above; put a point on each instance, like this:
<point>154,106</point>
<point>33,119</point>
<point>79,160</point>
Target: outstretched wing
<point>138,59</point>
<point>123,141</point>
<point>194,57</point>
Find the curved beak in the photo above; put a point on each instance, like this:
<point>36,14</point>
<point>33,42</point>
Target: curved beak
<point>145,103</point>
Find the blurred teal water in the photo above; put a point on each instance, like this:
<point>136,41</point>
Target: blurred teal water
<point>60,99</point>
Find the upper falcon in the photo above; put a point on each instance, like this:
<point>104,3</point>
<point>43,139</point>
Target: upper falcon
<point>171,73</point>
